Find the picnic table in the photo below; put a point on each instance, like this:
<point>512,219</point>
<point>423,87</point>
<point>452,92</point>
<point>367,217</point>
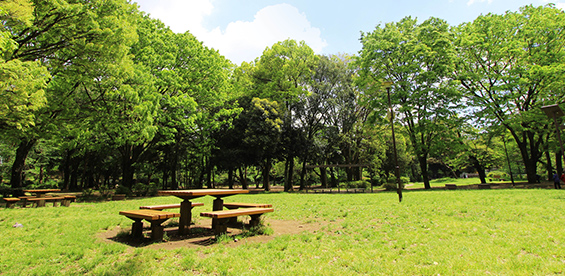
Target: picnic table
<point>188,195</point>
<point>40,193</point>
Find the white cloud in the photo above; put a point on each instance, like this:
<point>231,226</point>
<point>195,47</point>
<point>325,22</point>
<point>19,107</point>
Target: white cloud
<point>560,6</point>
<point>179,15</point>
<point>244,41</point>
<point>241,40</point>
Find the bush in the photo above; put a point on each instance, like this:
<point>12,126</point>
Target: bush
<point>123,190</point>
<point>142,189</point>
<point>391,184</point>
<point>361,184</point>
<point>497,175</point>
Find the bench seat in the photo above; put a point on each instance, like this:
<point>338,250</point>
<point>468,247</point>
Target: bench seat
<point>24,200</point>
<point>11,201</point>
<point>169,206</point>
<point>236,205</point>
<point>155,217</point>
<point>219,225</point>
<point>68,199</point>
<point>40,201</point>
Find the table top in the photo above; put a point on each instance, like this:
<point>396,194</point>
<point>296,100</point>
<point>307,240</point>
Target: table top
<point>42,190</point>
<point>203,192</point>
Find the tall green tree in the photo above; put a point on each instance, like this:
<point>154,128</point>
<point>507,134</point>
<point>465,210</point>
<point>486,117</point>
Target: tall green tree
<point>417,59</point>
<point>509,66</point>
<point>281,74</point>
<point>77,41</point>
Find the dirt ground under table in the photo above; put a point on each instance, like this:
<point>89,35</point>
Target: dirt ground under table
<point>201,234</point>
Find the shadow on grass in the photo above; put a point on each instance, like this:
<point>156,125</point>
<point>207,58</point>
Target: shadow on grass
<point>198,235</point>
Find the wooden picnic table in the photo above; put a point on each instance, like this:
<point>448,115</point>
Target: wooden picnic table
<point>41,193</point>
<point>188,195</point>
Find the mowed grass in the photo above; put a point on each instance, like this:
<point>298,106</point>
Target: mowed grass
<point>462,232</point>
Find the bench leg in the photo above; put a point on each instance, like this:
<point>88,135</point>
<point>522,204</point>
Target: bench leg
<point>55,203</point>
<point>40,203</point>
<point>255,220</point>
<point>66,202</point>
<point>157,230</point>
<point>220,226</point>
<point>10,204</point>
<point>136,229</point>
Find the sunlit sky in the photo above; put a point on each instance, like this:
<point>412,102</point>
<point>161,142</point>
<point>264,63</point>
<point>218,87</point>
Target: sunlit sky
<point>241,29</point>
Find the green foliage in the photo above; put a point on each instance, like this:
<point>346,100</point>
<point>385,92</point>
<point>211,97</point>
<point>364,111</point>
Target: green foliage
<point>121,189</point>
<point>392,185</point>
<point>418,59</point>
<point>361,184</point>
<point>497,175</point>
<point>508,80</point>
<point>142,189</point>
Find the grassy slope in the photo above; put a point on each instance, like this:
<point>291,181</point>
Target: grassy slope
<point>470,232</point>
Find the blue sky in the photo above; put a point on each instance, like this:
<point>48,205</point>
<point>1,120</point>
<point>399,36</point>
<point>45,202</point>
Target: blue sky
<point>242,29</point>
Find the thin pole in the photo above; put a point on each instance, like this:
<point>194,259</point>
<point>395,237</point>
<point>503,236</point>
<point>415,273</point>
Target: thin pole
<point>397,169</point>
<point>558,136</point>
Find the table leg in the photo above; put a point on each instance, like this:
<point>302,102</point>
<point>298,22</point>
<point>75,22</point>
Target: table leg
<point>185,216</point>
<point>218,205</point>
<point>137,229</point>
<point>41,203</point>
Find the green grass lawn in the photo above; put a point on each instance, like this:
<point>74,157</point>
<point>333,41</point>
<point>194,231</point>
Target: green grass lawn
<point>462,232</point>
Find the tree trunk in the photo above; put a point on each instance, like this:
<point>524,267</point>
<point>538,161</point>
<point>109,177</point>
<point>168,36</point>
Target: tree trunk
<point>127,166</point>
<point>16,181</point>
<point>303,176</point>
<point>324,177</point>
<point>289,171</point>
<point>548,166</point>
<point>559,162</point>
<point>266,172</point>
<point>423,160</point>
<point>480,169</point>
<point>243,177</point>
<point>173,170</point>
<point>230,178</point>
<point>531,156</point>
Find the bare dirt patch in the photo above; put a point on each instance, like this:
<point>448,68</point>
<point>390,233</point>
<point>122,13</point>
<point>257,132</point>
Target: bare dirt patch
<point>202,235</point>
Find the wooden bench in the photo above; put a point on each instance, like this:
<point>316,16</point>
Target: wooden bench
<point>236,205</point>
<point>68,199</point>
<point>24,200</point>
<point>155,217</point>
<point>170,206</point>
<point>40,201</point>
<point>11,201</point>
<point>221,218</point>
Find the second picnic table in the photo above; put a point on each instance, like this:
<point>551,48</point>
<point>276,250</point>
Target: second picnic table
<point>186,206</point>
<point>41,193</point>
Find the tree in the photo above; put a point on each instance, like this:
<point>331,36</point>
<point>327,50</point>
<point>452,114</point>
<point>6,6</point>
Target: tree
<point>280,76</point>
<point>417,59</point>
<point>509,66</point>
<point>76,41</point>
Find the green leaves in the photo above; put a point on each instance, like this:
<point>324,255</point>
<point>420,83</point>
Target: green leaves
<point>22,93</point>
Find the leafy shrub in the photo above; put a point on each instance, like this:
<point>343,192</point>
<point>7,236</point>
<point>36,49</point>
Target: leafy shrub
<point>391,184</point>
<point>361,184</point>
<point>142,189</point>
<point>123,190</point>
<point>497,175</point>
